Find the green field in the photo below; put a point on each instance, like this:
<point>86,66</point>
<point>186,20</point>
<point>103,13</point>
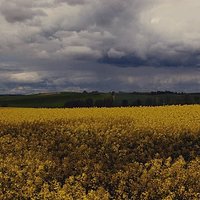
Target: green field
<point>45,100</point>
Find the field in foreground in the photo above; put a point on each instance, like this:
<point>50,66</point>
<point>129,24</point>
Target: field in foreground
<point>116,153</point>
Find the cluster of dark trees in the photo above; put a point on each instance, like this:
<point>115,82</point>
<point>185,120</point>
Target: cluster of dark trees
<point>77,103</point>
<point>151,100</point>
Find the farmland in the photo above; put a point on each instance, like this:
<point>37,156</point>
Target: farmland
<point>100,153</point>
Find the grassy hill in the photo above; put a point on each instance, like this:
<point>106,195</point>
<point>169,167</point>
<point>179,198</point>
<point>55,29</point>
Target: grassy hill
<point>46,99</point>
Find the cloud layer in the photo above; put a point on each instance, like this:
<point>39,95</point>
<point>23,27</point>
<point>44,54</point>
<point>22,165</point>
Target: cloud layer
<point>99,44</point>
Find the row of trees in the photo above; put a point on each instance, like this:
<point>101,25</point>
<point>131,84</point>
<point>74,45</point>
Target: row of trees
<point>106,102</point>
<point>149,101</point>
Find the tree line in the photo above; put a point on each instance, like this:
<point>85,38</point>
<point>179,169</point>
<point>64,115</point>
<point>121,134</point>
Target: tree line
<point>149,100</point>
<point>106,102</point>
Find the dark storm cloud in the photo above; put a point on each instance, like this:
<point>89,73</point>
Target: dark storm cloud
<point>181,59</point>
<point>102,44</point>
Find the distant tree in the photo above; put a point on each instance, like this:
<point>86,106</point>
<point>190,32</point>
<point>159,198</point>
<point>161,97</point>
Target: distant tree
<point>76,103</point>
<point>113,95</point>
<point>4,104</point>
<point>196,99</point>
<point>168,99</point>
<point>149,102</point>
<point>99,103</point>
<point>124,103</point>
<point>187,99</point>
<point>89,102</point>
<point>95,92</point>
<point>161,101</point>
<point>178,101</point>
<point>108,102</point>
<point>137,102</point>
<point>68,104</point>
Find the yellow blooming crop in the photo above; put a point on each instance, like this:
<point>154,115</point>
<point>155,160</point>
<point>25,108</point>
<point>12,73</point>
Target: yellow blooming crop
<point>100,153</point>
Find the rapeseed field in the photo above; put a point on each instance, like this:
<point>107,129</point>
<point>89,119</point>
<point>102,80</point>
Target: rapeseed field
<point>100,153</point>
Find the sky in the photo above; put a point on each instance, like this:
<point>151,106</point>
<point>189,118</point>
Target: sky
<point>104,45</point>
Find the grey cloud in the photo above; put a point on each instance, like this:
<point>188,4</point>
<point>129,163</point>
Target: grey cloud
<point>135,27</point>
<point>100,43</point>
<point>14,12</point>
<point>72,2</point>
<point>107,78</point>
